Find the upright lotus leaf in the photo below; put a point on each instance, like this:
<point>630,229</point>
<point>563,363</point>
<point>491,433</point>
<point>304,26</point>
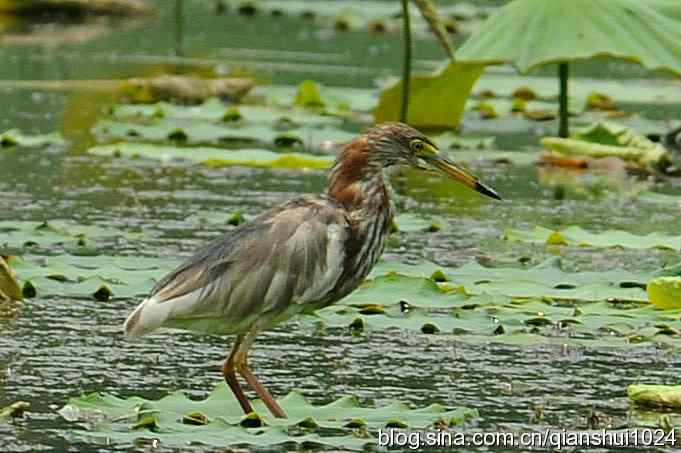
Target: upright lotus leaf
<point>435,101</point>
<point>308,95</point>
<point>531,33</point>
<point>665,292</point>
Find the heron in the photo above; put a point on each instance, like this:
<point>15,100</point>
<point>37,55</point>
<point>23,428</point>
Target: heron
<point>297,257</point>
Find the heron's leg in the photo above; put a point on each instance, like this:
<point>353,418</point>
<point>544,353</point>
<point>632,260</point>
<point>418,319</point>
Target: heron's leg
<point>229,372</point>
<point>253,382</point>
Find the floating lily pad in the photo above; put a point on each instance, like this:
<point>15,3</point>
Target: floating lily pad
<point>357,14</point>
<point>215,157</point>
<point>15,138</point>
<point>331,424</point>
<point>575,235</point>
<point>410,223</point>
<point>660,198</point>
<point>451,141</point>
<point>179,131</point>
<point>514,321</point>
<point>214,110</point>
<point>547,279</point>
<point>100,277</point>
<point>668,396</point>
<point>17,236</point>
<point>637,91</point>
<point>342,101</point>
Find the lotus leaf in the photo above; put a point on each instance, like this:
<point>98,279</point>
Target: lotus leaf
<point>215,157</point>
<point>547,279</point>
<point>84,276</point>
<point>610,140</point>
<point>665,292</point>
<point>330,424</point>
<point>435,101</point>
<point>575,235</point>
<point>579,29</point>
<point>655,395</point>
<point>202,132</point>
<point>14,137</point>
<point>19,235</point>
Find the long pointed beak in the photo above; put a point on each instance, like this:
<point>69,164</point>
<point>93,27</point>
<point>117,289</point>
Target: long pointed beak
<point>454,171</point>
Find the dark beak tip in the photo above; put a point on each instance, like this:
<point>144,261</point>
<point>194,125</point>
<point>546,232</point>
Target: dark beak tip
<point>483,189</point>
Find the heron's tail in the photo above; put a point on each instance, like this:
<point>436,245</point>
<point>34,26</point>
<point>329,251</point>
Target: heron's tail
<point>148,316</point>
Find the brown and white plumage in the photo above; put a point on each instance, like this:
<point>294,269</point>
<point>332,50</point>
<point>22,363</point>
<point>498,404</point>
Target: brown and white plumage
<point>297,257</point>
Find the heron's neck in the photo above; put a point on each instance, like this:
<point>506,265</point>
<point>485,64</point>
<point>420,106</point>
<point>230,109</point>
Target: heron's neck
<point>356,183</point>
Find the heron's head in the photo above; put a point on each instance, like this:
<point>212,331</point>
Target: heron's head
<point>400,144</point>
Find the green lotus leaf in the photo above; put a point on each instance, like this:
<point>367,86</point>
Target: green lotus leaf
<point>308,95</point>
<point>215,157</point>
<point>577,236</point>
<point>15,138</point>
<point>604,139</point>
<point>101,277</point>
<point>547,279</point>
<point>357,14</point>
<point>659,198</point>
<point>631,91</point>
<point>221,419</point>
<point>17,236</point>
<point>341,101</point>
<point>435,100</point>
<point>411,223</point>
<point>451,141</point>
<point>214,110</point>
<point>665,292</point>
<point>655,395</point>
<point>514,321</point>
<point>202,132</point>
<point>530,33</point>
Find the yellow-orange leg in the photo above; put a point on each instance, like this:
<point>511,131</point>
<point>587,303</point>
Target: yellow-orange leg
<point>239,359</point>
<point>262,392</point>
<point>228,371</point>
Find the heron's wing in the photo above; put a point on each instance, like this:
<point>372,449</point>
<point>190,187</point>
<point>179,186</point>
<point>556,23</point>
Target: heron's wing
<point>290,255</point>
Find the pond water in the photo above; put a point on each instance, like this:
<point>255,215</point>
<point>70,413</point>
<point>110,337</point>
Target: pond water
<point>53,348</point>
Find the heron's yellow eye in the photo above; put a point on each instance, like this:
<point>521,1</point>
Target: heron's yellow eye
<point>420,147</point>
<point>417,146</point>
